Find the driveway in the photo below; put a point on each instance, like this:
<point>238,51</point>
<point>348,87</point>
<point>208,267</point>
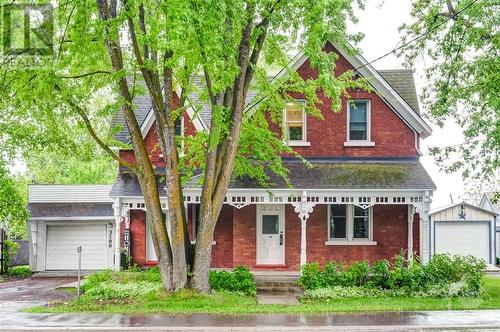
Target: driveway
<point>22,293</point>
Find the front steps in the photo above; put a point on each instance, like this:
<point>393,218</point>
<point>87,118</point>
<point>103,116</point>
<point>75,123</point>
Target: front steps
<point>277,282</point>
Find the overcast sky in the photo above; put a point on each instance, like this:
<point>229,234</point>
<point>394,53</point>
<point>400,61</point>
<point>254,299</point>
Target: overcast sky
<point>379,22</point>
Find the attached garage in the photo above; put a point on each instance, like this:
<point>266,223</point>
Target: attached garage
<point>463,229</point>
<point>65,217</point>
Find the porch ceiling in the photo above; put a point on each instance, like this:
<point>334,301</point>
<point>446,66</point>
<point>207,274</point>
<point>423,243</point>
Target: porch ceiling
<point>395,174</point>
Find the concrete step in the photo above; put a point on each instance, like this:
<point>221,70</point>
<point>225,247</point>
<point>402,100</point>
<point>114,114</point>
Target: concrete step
<point>279,290</point>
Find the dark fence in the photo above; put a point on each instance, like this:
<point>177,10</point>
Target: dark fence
<point>22,256</point>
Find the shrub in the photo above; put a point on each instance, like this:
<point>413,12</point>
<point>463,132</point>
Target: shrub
<point>240,280</point>
<point>380,274</point>
<point>22,271</point>
<point>113,290</point>
<point>443,276</point>
<point>312,277</point>
<point>338,292</point>
<point>498,260</point>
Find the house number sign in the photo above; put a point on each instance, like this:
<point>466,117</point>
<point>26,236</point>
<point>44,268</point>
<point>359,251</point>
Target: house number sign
<point>110,239</point>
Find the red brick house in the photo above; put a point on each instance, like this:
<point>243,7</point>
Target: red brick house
<point>366,197</point>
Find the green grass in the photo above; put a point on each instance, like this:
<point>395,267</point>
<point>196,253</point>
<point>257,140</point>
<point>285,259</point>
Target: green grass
<point>190,302</point>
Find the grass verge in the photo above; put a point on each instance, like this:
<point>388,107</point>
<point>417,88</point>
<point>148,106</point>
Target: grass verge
<point>227,303</point>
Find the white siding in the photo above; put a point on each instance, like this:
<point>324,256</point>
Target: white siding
<point>40,193</point>
<point>498,245</point>
<point>471,213</point>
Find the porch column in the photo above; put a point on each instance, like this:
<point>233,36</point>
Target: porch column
<point>411,213</point>
<point>303,209</point>
<point>425,229</point>
<point>118,220</point>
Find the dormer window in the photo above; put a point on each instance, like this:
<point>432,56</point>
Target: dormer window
<point>295,123</point>
<point>358,123</point>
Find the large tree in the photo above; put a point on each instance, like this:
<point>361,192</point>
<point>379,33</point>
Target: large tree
<point>461,42</point>
<point>103,48</point>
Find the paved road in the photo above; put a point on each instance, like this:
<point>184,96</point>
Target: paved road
<point>407,321</point>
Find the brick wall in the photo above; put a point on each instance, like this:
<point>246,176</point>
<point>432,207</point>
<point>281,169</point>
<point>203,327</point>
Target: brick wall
<point>222,251</point>
<point>137,236</point>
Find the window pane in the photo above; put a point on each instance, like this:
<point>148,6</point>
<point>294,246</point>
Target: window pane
<point>358,134</point>
<point>178,127</point>
<point>295,133</point>
<point>294,111</point>
<point>270,224</point>
<point>361,223</point>
<point>338,221</point>
<point>361,228</point>
<point>358,111</point>
<point>338,228</point>
<point>359,212</point>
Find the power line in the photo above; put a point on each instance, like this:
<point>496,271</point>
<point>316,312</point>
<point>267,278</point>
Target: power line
<point>454,16</point>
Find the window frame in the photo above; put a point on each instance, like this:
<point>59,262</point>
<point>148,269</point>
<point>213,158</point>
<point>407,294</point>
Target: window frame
<point>303,141</point>
<point>350,240</point>
<point>368,141</point>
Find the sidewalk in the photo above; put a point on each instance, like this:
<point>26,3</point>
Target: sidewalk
<point>391,321</point>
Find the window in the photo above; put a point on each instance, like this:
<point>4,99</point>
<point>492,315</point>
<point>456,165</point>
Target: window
<point>349,224</point>
<point>179,134</point>
<point>338,222</point>
<point>295,123</point>
<point>358,124</point>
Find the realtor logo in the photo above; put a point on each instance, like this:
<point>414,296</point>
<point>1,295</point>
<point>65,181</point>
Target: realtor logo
<point>27,34</point>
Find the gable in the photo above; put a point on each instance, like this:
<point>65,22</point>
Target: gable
<point>400,96</point>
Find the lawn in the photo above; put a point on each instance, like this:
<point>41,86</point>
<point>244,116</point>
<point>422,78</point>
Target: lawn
<point>226,303</point>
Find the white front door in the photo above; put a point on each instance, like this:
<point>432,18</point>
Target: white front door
<point>270,235</point>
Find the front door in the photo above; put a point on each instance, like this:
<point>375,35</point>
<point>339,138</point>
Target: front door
<point>270,235</point>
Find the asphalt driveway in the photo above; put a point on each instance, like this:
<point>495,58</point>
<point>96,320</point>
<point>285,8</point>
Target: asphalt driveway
<point>35,289</point>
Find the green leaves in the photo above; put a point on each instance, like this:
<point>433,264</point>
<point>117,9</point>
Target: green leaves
<point>461,38</point>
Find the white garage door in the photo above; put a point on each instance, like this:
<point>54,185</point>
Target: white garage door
<point>463,238</point>
<point>62,243</point>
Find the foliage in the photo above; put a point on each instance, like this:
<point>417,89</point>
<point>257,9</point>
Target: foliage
<point>443,276</point>
<point>13,214</point>
<point>240,280</point>
<point>22,271</point>
<point>187,301</point>
<point>104,52</point>
<point>10,249</point>
<point>112,290</point>
<point>339,292</point>
<point>462,41</point>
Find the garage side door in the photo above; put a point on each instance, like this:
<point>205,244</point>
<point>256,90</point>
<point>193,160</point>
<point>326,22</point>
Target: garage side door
<point>463,238</point>
<point>62,242</point>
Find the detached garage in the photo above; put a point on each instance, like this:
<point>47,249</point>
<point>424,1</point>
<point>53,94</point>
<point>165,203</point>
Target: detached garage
<point>463,229</point>
<point>65,217</point>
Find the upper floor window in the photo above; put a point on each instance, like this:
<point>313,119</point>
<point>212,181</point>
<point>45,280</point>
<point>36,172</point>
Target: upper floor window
<point>295,123</point>
<point>350,224</point>
<point>358,123</point>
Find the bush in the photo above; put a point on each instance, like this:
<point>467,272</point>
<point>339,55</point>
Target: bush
<point>498,260</point>
<point>107,290</point>
<point>240,280</point>
<point>443,276</point>
<point>22,271</point>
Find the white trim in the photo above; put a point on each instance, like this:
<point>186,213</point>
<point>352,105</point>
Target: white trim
<point>298,143</point>
<point>71,218</point>
<point>350,227</point>
<point>351,243</point>
<point>359,143</point>
<point>368,141</point>
<point>304,141</point>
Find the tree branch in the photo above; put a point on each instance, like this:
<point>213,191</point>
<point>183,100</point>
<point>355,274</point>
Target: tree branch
<point>86,74</point>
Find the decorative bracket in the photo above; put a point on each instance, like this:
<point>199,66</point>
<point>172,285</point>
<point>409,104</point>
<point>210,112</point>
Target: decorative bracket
<point>303,208</point>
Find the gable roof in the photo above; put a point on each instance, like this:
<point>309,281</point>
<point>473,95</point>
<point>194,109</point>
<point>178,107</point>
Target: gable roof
<point>395,86</point>
<point>487,202</point>
<point>463,203</point>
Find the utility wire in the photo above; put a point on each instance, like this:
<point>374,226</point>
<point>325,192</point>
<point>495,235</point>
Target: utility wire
<point>454,16</point>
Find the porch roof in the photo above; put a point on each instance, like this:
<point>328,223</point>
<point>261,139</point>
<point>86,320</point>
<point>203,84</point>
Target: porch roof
<point>70,210</point>
<point>333,173</point>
